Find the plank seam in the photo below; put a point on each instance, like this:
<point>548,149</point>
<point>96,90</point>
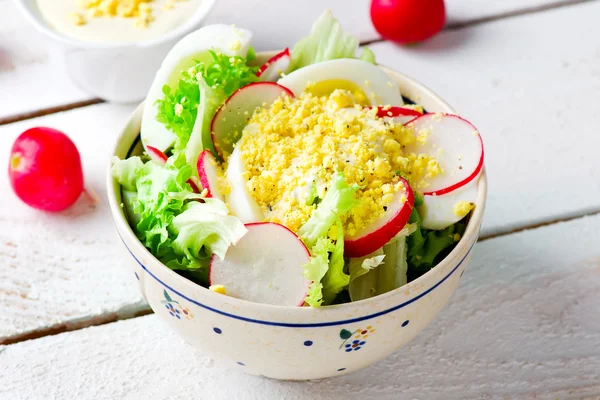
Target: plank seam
<point>69,326</point>
<point>498,17</point>
<point>104,320</point>
<point>451,26</point>
<point>50,110</point>
<point>537,225</point>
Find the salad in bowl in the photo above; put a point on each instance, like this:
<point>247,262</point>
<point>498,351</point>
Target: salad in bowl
<point>309,179</point>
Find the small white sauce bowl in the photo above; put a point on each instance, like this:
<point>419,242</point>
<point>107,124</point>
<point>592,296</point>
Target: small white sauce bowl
<point>118,72</point>
<point>294,343</point>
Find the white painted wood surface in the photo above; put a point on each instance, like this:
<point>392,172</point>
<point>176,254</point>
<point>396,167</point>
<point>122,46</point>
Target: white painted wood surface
<point>31,79</point>
<point>455,73</point>
<point>64,268</point>
<point>533,92</point>
<point>524,324</point>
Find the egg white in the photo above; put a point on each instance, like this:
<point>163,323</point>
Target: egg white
<point>374,82</point>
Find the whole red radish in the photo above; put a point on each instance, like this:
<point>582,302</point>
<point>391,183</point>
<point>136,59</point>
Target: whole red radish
<point>408,21</point>
<point>45,169</point>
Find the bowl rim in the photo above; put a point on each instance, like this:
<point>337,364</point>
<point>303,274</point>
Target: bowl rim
<point>37,20</point>
<point>450,263</point>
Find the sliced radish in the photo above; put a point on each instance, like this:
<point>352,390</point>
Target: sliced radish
<point>275,67</point>
<point>357,76</point>
<point>438,212</point>
<point>265,266</point>
<point>156,155</point>
<point>457,146</point>
<point>241,203</point>
<point>207,171</point>
<point>193,48</point>
<point>382,230</point>
<point>398,114</point>
<point>229,121</point>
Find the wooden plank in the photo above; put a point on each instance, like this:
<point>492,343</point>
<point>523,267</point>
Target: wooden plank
<point>451,71</point>
<point>524,324</point>
<point>532,91</point>
<point>465,12</point>
<point>32,79</point>
<point>58,271</point>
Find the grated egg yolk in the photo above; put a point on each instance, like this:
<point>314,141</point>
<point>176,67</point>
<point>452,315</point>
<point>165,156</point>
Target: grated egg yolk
<point>327,87</point>
<point>462,208</point>
<point>295,146</point>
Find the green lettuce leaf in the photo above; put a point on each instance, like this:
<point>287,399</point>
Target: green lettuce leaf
<point>178,109</point>
<point>327,41</point>
<point>126,171</point>
<point>335,280</point>
<point>178,226</point>
<point>426,248</point>
<point>206,228</point>
<point>364,275</point>
<point>200,138</point>
<point>162,193</point>
<point>316,269</point>
<point>367,55</point>
<point>337,202</point>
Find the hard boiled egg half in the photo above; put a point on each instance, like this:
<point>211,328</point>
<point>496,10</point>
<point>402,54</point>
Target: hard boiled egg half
<point>370,85</point>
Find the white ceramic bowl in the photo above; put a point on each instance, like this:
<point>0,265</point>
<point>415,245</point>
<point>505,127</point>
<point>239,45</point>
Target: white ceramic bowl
<point>294,342</point>
<point>119,72</point>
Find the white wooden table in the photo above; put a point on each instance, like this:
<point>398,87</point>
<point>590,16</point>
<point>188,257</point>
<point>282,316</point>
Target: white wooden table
<point>525,322</point>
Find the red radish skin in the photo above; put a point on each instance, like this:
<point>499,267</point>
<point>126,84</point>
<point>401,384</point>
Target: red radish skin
<point>408,21</point>
<point>207,171</point>
<point>399,114</point>
<point>45,169</point>
<point>472,132</point>
<point>231,117</point>
<point>275,66</point>
<point>259,246</point>
<point>368,242</point>
<point>156,155</point>
<point>193,184</point>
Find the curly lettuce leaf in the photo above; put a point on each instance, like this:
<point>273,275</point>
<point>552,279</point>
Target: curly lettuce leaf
<point>327,41</point>
<point>337,202</point>
<point>161,193</point>
<point>126,171</point>
<point>335,280</point>
<point>178,226</point>
<point>316,269</point>
<point>178,109</point>
<point>206,228</point>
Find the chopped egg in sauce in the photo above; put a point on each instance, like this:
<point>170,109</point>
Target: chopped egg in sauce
<point>292,149</point>
<point>116,20</point>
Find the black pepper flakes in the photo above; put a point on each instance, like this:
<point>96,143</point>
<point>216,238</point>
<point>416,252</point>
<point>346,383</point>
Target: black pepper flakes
<point>384,208</point>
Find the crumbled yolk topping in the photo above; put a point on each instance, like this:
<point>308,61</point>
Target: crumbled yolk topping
<point>140,10</point>
<point>462,208</point>
<point>295,146</point>
<point>217,289</point>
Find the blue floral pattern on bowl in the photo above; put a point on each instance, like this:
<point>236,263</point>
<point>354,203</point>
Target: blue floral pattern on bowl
<point>176,310</point>
<point>359,336</point>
